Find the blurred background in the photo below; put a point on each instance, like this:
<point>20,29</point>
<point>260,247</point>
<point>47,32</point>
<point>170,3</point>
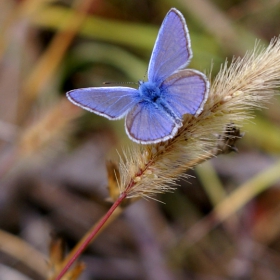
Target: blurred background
<point>53,155</point>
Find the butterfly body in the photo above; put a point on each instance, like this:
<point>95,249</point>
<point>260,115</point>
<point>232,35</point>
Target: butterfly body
<point>154,112</point>
<point>154,95</point>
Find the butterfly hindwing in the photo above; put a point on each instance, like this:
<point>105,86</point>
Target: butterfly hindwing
<point>172,50</point>
<point>186,91</point>
<point>110,102</point>
<point>146,123</point>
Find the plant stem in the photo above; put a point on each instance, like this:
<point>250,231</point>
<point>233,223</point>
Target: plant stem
<point>92,234</point>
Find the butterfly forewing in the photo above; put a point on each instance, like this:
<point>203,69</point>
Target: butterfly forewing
<point>186,91</point>
<point>172,50</point>
<point>146,123</point>
<point>110,102</point>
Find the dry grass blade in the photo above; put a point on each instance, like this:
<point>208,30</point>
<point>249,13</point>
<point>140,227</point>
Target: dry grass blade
<point>51,59</point>
<point>44,137</point>
<point>18,249</point>
<point>231,204</point>
<point>57,252</point>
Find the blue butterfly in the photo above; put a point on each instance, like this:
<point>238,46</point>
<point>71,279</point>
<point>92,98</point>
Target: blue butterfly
<point>154,112</point>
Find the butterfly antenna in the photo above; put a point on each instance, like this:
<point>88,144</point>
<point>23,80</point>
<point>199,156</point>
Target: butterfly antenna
<point>119,83</point>
<point>145,74</point>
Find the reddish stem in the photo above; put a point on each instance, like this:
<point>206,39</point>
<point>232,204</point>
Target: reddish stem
<point>91,235</point>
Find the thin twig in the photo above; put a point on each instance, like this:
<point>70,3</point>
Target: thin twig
<point>81,246</point>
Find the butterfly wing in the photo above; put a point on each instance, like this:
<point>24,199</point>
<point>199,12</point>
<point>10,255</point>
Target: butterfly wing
<point>110,102</point>
<point>186,91</point>
<point>147,123</point>
<point>172,50</point>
